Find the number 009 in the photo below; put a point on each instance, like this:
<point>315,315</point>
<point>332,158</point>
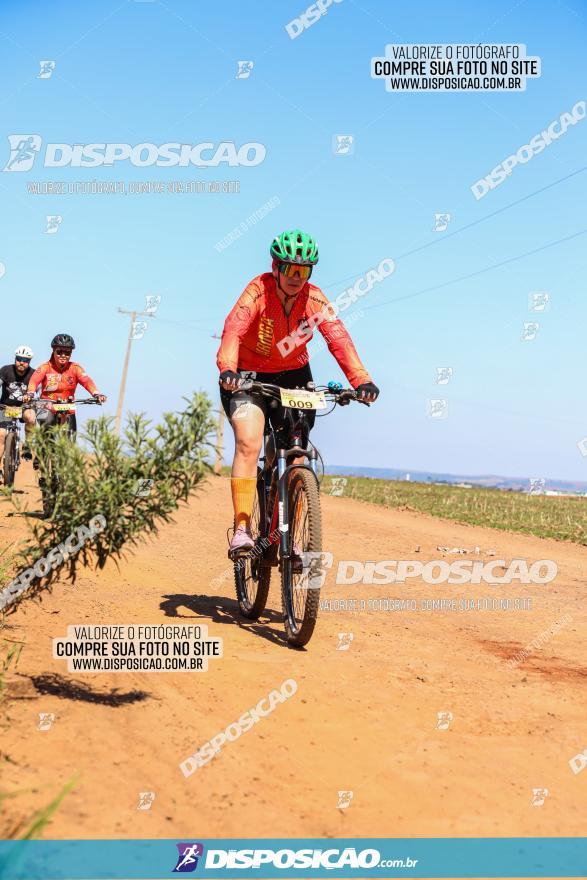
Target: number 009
<point>300,404</point>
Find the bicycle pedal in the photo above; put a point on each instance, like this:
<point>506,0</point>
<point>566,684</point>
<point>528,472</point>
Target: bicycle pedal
<point>236,555</point>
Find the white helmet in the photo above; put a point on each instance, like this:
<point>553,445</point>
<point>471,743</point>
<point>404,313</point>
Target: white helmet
<point>24,351</point>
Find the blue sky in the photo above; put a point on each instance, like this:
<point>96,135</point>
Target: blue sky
<point>158,72</point>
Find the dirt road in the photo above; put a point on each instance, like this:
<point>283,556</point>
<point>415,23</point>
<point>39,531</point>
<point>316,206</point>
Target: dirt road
<point>363,720</point>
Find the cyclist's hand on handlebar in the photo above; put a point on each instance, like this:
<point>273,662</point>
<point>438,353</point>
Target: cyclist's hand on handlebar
<point>101,398</point>
<point>230,380</point>
<point>368,392</point>
<point>27,397</point>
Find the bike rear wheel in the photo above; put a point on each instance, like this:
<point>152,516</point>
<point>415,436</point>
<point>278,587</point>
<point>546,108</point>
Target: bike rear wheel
<point>252,573</point>
<point>9,458</point>
<point>49,487</point>
<point>299,600</point>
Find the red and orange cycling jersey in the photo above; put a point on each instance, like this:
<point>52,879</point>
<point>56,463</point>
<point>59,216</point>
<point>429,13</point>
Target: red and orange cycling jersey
<point>258,323</point>
<point>57,382</point>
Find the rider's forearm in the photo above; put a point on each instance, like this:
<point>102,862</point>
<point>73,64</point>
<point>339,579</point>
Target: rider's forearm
<point>343,350</point>
<point>235,327</point>
<point>227,357</point>
<point>89,384</point>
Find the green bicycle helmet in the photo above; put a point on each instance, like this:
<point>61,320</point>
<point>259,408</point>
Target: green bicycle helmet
<point>295,246</point>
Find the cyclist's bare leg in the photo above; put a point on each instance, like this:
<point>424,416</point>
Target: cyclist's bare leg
<point>29,420</point>
<point>2,441</point>
<point>248,439</point>
<point>248,422</point>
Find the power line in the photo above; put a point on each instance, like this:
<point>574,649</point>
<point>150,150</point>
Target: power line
<point>468,225</point>
<point>185,324</point>
<point>474,274</point>
<point>437,241</point>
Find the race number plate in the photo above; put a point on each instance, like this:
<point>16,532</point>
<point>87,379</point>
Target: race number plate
<point>13,412</point>
<point>64,407</point>
<point>299,398</point>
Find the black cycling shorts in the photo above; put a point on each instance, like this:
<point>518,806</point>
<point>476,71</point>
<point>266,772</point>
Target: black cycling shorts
<point>47,419</point>
<point>299,378</point>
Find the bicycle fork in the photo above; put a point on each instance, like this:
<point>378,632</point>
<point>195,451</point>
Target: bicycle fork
<point>280,518</point>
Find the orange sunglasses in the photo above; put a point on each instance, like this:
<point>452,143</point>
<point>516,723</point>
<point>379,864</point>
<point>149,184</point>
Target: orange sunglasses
<point>292,269</point>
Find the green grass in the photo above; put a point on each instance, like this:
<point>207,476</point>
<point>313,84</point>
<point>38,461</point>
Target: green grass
<point>542,515</point>
<point>31,827</point>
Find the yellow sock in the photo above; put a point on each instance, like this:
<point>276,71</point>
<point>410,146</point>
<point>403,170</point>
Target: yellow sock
<point>243,495</point>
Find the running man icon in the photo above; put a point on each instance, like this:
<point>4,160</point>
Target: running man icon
<point>189,853</point>
<point>23,150</point>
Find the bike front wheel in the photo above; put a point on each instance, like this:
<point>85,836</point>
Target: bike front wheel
<point>9,459</point>
<point>252,573</point>
<point>49,487</point>
<point>300,592</point>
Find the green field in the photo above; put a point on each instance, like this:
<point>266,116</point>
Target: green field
<point>546,516</point>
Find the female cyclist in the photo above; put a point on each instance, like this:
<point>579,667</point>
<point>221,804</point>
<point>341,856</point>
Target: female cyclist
<point>266,332</point>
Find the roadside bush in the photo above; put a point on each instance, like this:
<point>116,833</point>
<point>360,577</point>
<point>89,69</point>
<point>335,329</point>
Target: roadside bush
<point>134,483</point>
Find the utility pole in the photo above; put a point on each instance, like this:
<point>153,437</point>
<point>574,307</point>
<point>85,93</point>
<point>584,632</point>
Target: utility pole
<point>219,433</point>
<point>133,317</point>
<point>219,442</point>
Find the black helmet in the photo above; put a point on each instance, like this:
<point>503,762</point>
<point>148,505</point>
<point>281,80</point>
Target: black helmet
<point>62,340</point>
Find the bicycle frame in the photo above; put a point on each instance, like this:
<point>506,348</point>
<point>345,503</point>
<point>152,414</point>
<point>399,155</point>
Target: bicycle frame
<point>279,512</point>
<point>275,515</point>
<point>284,535</point>
<point>14,428</point>
<point>63,421</point>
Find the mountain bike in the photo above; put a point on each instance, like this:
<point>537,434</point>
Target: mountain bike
<point>11,460</point>
<point>286,522</point>
<point>64,411</point>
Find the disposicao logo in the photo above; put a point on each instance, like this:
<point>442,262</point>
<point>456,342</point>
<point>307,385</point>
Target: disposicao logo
<point>187,860</point>
<point>25,147</point>
<point>23,151</point>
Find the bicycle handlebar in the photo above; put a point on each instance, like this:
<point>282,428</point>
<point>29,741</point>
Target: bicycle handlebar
<point>342,396</point>
<point>89,400</point>
<point>45,402</point>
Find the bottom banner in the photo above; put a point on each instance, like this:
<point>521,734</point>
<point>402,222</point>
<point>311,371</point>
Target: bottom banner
<point>295,857</point>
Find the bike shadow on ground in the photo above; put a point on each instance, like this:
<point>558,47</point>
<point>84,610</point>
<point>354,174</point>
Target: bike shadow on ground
<point>28,514</point>
<point>220,609</point>
<point>69,689</point>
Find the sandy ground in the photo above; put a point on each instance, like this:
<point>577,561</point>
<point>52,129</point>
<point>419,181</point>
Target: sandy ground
<point>363,720</point>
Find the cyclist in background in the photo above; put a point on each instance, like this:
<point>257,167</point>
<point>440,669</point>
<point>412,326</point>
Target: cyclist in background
<point>59,377</point>
<point>272,307</point>
<point>14,379</point>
